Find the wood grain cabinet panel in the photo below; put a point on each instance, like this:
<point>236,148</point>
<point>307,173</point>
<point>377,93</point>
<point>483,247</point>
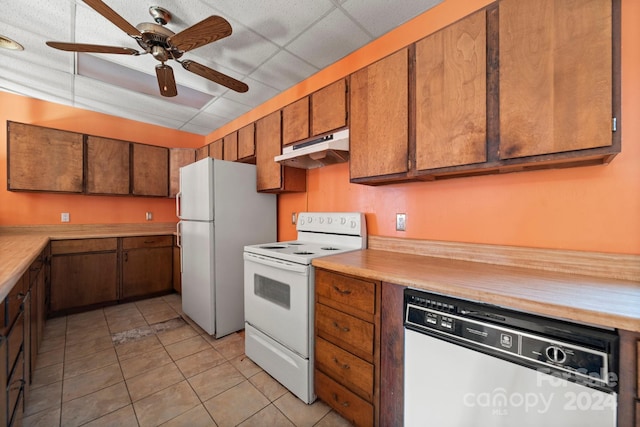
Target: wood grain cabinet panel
<point>295,121</point>
<point>202,152</point>
<point>178,157</point>
<point>150,170</point>
<point>345,402</point>
<point>3,383</point>
<point>555,76</point>
<point>379,123</point>
<point>43,159</point>
<point>216,149</point>
<point>451,95</point>
<point>147,271</point>
<point>329,108</point>
<point>107,166</point>
<point>353,372</point>
<point>230,147</point>
<point>247,142</point>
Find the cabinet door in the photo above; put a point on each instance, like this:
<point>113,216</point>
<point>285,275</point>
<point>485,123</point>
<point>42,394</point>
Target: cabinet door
<point>202,152</point>
<point>329,108</point>
<point>555,76</point>
<point>44,159</point>
<point>107,166</point>
<point>230,147</point>
<point>295,121</point>
<point>178,157</point>
<point>150,170</point>
<point>246,142</point>
<point>146,271</point>
<point>451,95</point>
<point>83,279</point>
<point>379,135</point>
<point>269,174</point>
<point>3,383</point>
<point>215,149</point>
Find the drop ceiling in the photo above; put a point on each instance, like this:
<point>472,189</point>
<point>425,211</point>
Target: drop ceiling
<point>275,44</point>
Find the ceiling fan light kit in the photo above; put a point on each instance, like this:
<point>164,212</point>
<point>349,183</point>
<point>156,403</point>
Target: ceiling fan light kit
<point>163,44</point>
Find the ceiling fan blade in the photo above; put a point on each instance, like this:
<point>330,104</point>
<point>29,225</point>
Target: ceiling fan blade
<point>204,32</point>
<point>166,81</point>
<point>92,48</point>
<point>112,16</point>
<point>215,76</point>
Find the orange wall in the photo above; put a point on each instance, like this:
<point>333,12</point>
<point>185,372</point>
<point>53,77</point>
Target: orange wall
<point>590,208</point>
<point>19,208</point>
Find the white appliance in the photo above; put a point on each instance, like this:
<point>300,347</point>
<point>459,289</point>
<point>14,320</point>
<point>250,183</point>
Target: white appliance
<point>220,212</point>
<point>279,295</point>
<point>327,150</point>
<point>472,364</point>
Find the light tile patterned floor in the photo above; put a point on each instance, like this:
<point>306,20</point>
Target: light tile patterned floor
<point>146,364</point>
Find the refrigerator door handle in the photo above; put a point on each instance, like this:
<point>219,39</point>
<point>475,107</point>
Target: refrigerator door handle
<point>178,243</point>
<point>178,199</point>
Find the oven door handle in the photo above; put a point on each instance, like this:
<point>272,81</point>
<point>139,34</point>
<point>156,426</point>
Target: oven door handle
<point>276,263</point>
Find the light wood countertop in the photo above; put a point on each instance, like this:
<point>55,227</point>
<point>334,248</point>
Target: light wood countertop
<point>20,245</point>
<point>601,301</point>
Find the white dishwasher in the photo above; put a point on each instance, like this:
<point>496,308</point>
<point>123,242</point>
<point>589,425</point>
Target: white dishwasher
<point>470,364</point>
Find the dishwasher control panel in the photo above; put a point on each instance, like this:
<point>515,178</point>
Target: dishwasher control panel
<point>493,329</point>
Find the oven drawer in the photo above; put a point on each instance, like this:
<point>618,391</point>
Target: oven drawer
<point>351,371</point>
<point>350,333</point>
<point>355,409</point>
<point>348,294</point>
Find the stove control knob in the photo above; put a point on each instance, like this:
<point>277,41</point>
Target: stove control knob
<point>343,220</point>
<point>321,220</point>
<point>353,224</point>
<point>301,221</point>
<point>310,220</point>
<point>329,220</point>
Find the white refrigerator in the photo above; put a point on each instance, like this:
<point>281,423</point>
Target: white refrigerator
<point>220,212</point>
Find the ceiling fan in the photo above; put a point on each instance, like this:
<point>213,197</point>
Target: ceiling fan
<point>163,44</point>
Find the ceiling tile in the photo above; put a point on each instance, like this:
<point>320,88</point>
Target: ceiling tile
<point>35,80</point>
<point>227,108</point>
<point>257,94</point>
<point>283,71</point>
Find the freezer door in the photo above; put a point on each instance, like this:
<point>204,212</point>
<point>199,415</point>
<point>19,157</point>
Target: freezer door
<point>198,283</point>
<point>196,191</point>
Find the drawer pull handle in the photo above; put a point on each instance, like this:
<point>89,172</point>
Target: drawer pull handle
<point>342,291</point>
<point>335,397</point>
<point>337,362</point>
<point>149,241</point>
<point>337,326</point>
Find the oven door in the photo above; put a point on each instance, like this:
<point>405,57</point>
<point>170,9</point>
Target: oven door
<point>277,300</point>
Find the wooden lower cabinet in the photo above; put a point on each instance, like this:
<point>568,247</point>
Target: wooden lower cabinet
<point>177,268</point>
<point>147,265</point>
<point>347,346</point>
<point>3,381</point>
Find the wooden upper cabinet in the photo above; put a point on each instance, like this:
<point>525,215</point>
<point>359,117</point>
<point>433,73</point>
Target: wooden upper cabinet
<point>246,142</point>
<point>451,112</point>
<point>555,76</point>
<point>178,157</point>
<point>202,152</point>
<point>268,145</point>
<point>379,127</point>
<point>107,166</point>
<point>43,159</point>
<point>230,147</point>
<point>150,170</point>
<point>295,121</point>
<point>329,108</point>
<point>215,149</point>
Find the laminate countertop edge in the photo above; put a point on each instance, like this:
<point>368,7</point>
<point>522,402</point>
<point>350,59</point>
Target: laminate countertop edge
<point>604,302</point>
<point>20,246</point>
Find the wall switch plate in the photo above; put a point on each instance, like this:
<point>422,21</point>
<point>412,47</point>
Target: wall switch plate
<point>64,217</point>
<point>401,222</point>
<point>148,216</point>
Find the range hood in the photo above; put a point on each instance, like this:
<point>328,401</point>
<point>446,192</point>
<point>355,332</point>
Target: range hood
<point>315,153</point>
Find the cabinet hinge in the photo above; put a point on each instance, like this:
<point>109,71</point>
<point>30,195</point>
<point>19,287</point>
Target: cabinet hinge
<point>614,124</point>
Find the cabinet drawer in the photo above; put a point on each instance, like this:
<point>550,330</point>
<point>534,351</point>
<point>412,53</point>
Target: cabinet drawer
<point>14,341</point>
<point>15,385</point>
<point>355,409</point>
<point>346,293</point>
<point>83,245</point>
<point>146,242</point>
<point>348,332</point>
<point>347,369</point>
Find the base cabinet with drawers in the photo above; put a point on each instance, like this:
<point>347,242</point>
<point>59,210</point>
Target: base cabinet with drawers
<point>347,345</point>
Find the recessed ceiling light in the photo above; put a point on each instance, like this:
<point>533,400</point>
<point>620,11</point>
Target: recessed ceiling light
<point>7,43</point>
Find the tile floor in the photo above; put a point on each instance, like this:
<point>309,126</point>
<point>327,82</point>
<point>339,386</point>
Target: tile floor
<point>146,364</point>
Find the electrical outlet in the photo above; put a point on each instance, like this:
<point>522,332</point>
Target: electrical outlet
<point>294,218</point>
<point>401,222</point>
<point>64,217</point>
<point>148,216</point>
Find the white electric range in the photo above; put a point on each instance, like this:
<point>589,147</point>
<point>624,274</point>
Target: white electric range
<point>279,295</point>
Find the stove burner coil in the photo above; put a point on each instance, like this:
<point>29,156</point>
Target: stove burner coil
<point>303,253</point>
<point>273,247</point>
<point>330,248</point>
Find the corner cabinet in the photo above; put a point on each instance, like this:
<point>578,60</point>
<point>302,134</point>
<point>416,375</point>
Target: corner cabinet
<point>271,176</point>
<point>347,345</point>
